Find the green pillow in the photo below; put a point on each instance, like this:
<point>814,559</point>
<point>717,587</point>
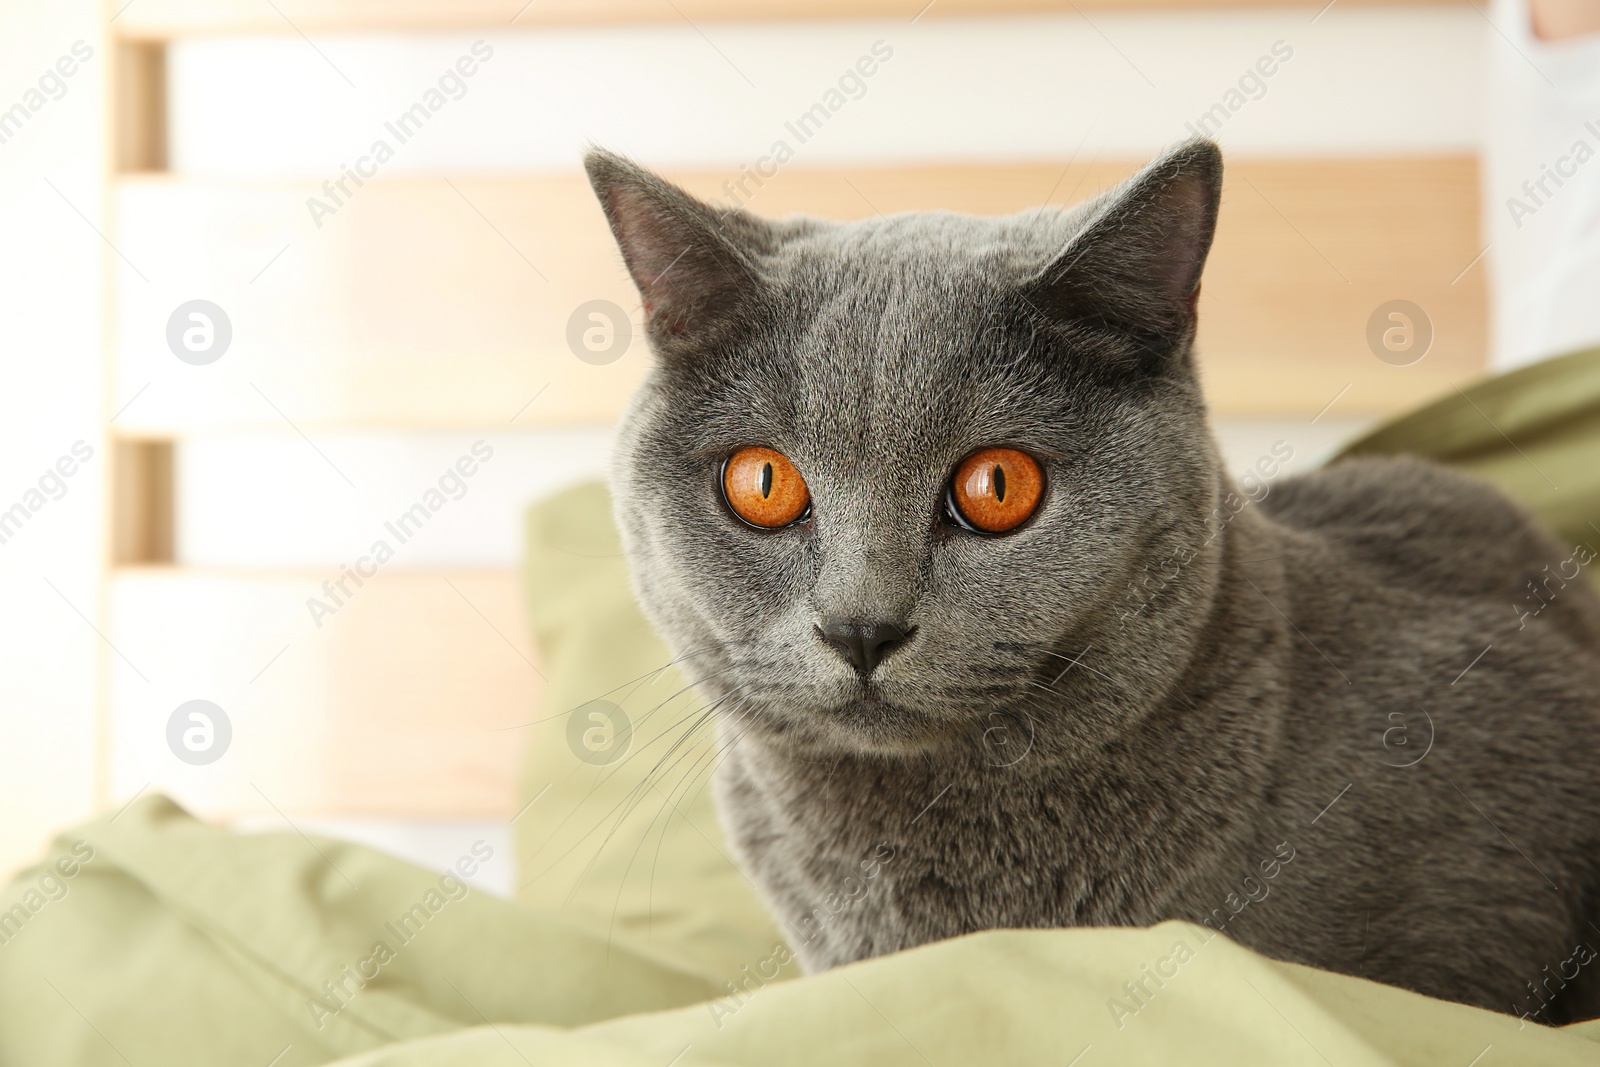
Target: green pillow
<point>619,836</point>
<point>1533,432</point>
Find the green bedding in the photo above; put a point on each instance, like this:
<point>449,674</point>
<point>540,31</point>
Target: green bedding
<point>148,938</point>
<point>1534,432</point>
<point>176,944</point>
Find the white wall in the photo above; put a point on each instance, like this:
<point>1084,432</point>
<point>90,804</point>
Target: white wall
<point>249,499</point>
<point>49,399</point>
<point>1360,80</point>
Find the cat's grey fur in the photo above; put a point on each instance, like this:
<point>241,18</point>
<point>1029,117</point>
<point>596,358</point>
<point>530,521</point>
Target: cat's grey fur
<point>1240,706</point>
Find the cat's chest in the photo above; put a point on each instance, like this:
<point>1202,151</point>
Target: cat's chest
<point>861,859</point>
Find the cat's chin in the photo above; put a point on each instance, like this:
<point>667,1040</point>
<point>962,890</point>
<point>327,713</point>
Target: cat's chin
<point>866,723</point>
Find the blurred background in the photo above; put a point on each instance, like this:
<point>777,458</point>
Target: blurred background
<point>305,301</point>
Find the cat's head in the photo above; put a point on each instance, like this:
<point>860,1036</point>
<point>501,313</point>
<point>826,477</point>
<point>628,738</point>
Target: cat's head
<point>796,482</point>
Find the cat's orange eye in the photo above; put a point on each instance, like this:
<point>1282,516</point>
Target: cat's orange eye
<point>764,489</point>
<point>997,489</point>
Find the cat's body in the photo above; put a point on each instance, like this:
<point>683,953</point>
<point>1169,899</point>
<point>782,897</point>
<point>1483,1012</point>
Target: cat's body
<point>1148,700</point>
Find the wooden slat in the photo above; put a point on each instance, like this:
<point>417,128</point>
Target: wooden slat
<point>139,107</point>
<point>399,705</point>
<point>141,502</point>
<point>427,301</point>
<point>161,19</point>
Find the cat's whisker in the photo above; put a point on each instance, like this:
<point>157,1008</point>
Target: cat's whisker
<point>623,807</point>
<point>644,836</point>
<point>712,759</point>
<point>686,780</point>
<point>630,755</point>
<point>676,807</point>
<point>742,722</point>
<point>718,646</point>
<point>629,803</point>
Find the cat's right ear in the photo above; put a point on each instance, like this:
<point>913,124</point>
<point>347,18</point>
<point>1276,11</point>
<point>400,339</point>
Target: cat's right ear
<point>685,256</point>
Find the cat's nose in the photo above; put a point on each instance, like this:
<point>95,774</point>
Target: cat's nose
<point>863,643</point>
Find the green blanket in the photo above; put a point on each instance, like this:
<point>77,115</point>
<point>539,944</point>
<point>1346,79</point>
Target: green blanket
<point>171,944</point>
<point>1534,432</point>
<point>147,938</point>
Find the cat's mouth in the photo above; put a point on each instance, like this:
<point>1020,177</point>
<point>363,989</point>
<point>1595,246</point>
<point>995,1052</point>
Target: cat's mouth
<point>872,721</point>
<point>867,716</point>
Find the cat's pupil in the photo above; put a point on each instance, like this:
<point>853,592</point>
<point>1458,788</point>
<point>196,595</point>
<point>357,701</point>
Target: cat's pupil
<point>1000,483</point>
<point>766,480</point>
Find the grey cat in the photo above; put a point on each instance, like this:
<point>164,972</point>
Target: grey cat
<point>1311,718</point>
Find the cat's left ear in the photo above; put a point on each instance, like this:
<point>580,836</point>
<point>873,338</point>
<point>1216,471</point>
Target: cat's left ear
<point>1136,265</point>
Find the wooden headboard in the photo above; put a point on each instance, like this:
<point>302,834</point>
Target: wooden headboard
<point>431,305</point>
